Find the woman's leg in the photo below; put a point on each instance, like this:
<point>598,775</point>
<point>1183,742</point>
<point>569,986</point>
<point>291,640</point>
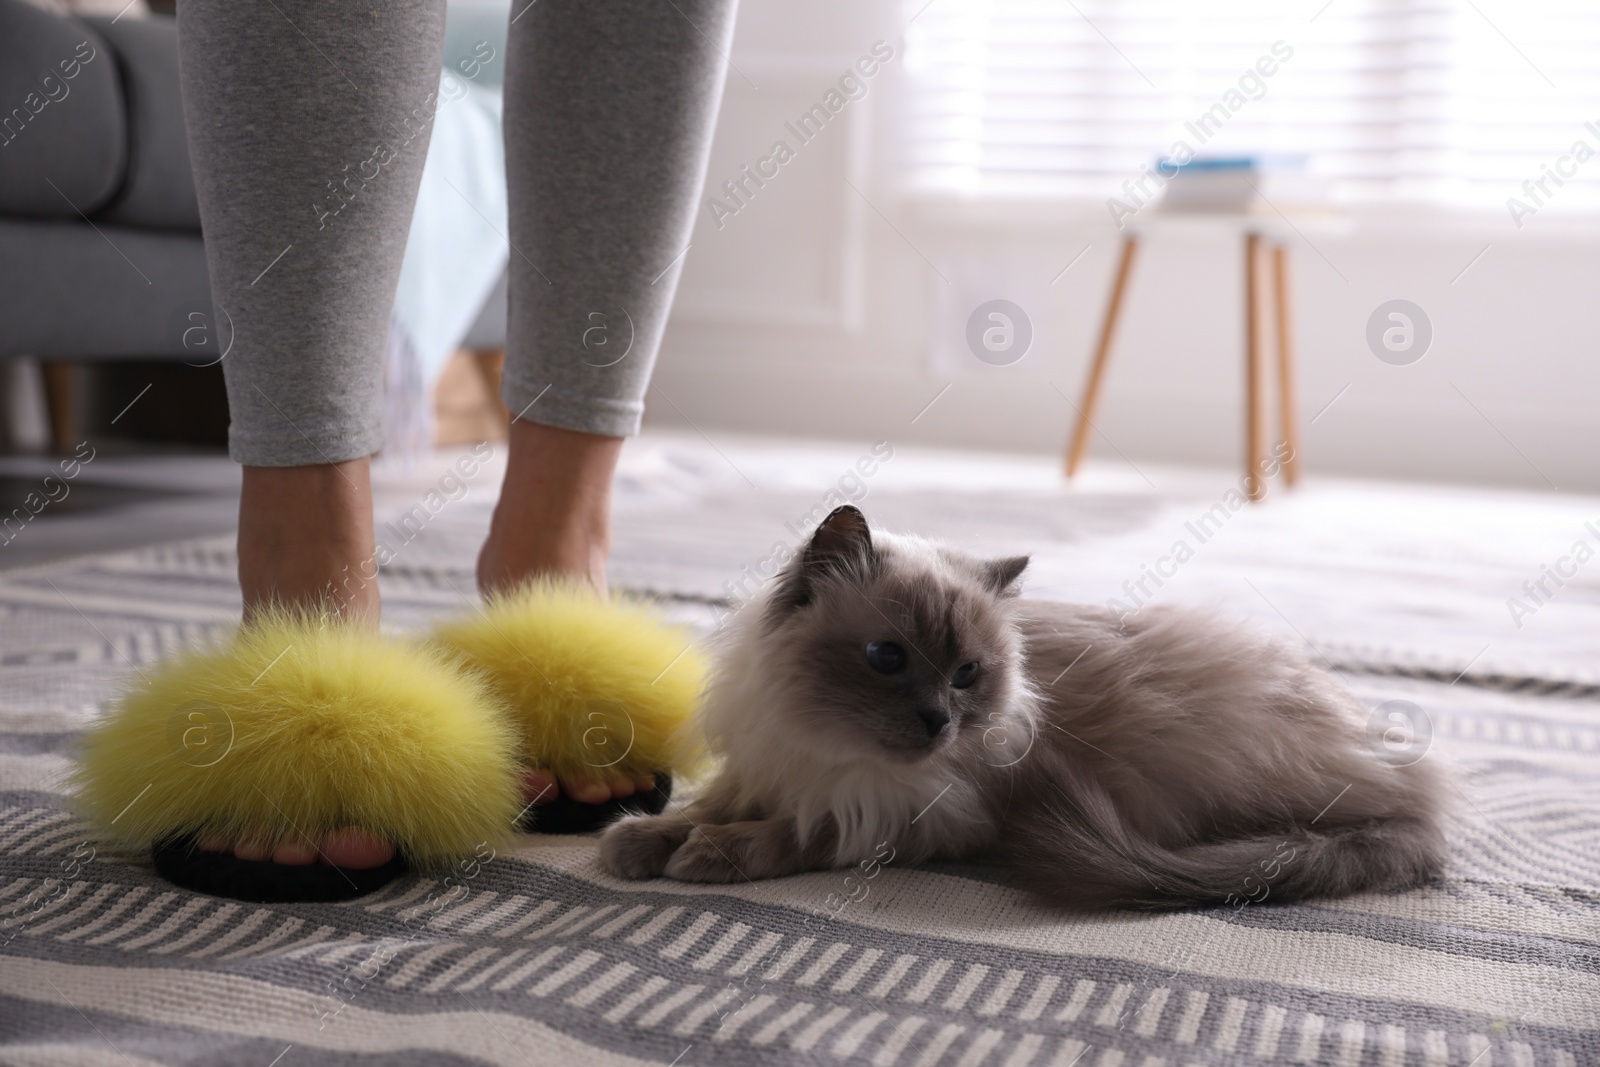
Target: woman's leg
<point>609,115</point>
<point>308,123</point>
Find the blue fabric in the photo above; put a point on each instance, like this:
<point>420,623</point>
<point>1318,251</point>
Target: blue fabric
<point>456,252</point>
<point>457,248</point>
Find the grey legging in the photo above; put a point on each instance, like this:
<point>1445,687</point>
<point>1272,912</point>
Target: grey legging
<point>308,124</point>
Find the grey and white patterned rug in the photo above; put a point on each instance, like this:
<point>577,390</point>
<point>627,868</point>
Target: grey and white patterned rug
<point>536,957</point>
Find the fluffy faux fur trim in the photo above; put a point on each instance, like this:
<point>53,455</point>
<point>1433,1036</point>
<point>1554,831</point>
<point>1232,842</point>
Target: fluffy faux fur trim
<point>301,726</point>
<point>592,684</point>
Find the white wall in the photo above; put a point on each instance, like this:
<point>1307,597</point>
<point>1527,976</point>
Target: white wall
<point>815,310</point>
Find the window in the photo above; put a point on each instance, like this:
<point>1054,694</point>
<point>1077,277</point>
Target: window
<point>1407,101</point>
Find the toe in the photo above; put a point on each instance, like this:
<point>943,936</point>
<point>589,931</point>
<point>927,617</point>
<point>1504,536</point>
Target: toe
<point>620,785</point>
<point>644,783</point>
<point>356,849</point>
<point>588,790</point>
<point>295,853</point>
<point>213,843</point>
<point>539,786</point>
<point>255,851</point>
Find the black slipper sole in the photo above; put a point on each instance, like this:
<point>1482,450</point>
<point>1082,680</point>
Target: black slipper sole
<point>222,874</point>
<point>567,816</point>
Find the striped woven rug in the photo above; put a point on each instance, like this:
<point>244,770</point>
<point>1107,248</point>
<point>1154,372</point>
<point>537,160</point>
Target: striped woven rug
<point>536,957</point>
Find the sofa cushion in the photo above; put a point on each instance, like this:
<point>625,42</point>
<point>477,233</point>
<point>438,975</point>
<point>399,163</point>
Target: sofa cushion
<point>68,291</point>
<point>63,126</point>
<point>158,189</point>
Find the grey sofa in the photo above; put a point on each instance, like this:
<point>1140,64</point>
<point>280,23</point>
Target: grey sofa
<point>100,248</point>
<point>101,255</point>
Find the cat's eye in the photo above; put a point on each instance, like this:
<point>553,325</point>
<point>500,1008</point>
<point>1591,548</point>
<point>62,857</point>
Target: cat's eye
<point>886,657</point>
<point>965,675</point>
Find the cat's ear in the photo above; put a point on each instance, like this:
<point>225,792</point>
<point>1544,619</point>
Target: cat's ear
<point>1000,576</point>
<point>841,538</point>
<point>842,543</point>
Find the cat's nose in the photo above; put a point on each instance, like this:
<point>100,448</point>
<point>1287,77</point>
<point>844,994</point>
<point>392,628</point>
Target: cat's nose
<point>933,720</point>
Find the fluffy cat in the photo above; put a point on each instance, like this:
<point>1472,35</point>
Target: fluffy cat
<point>889,692</point>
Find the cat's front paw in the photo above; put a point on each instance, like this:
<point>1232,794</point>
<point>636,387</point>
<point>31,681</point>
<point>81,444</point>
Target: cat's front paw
<point>708,855</point>
<point>640,847</point>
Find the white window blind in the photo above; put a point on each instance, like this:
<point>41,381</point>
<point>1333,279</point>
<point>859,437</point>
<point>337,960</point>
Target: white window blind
<point>1453,103</point>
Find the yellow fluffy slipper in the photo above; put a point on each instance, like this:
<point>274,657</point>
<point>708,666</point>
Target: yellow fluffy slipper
<point>290,731</point>
<point>595,687</point>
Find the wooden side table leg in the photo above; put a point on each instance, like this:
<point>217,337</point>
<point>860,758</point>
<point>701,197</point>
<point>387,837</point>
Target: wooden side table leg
<point>1254,428</point>
<point>1102,355</point>
<point>1286,406</point>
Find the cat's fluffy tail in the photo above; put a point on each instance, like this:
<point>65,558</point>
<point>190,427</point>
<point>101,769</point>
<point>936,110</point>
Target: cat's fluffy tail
<point>1079,854</point>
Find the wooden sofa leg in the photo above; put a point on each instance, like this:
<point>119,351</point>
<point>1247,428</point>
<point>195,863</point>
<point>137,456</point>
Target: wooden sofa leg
<point>61,399</point>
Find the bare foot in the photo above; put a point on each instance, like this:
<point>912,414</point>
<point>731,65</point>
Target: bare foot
<point>306,540</point>
<point>554,514</point>
<point>356,850</point>
<point>350,848</point>
<point>541,787</point>
<point>554,519</point>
